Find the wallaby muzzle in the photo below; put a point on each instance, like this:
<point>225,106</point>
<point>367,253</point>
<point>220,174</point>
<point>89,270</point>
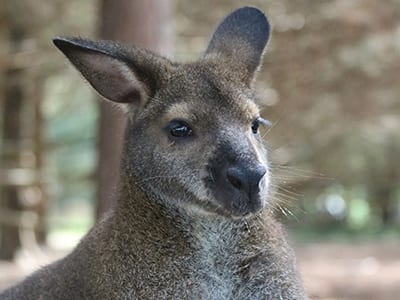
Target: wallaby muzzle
<point>235,181</point>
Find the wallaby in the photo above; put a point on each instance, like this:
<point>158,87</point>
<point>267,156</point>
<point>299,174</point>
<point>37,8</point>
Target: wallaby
<point>193,219</point>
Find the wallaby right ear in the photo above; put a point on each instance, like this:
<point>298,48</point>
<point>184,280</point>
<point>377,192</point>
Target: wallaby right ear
<point>118,73</point>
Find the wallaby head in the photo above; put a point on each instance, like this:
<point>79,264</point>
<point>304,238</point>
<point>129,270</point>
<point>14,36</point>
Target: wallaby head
<point>192,138</point>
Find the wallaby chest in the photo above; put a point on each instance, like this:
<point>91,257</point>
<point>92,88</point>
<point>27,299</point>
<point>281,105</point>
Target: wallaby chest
<point>207,259</point>
<point>218,258</point>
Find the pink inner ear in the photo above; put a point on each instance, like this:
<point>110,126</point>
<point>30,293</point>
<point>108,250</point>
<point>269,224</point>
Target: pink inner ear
<point>110,77</point>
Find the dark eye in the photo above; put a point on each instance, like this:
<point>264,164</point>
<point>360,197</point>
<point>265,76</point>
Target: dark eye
<point>179,129</point>
<point>255,125</point>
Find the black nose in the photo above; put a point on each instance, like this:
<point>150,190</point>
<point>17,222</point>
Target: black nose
<point>245,179</point>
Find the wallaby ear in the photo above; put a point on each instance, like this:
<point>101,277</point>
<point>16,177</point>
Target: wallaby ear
<point>241,39</point>
<point>118,73</point>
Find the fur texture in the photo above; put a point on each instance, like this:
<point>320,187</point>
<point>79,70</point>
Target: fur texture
<point>193,217</point>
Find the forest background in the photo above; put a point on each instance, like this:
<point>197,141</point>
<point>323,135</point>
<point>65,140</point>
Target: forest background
<point>329,85</point>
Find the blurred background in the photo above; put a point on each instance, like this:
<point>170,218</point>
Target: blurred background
<point>329,85</point>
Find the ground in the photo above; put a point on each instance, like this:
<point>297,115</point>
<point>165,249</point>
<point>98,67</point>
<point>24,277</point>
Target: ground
<point>331,271</point>
<point>370,271</point>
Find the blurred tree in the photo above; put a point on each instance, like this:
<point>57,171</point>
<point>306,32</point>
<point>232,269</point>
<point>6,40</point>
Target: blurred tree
<point>22,197</point>
<point>145,23</point>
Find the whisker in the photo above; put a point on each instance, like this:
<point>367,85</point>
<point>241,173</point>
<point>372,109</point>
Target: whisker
<point>298,171</point>
<point>272,126</point>
<point>290,192</point>
<point>286,196</point>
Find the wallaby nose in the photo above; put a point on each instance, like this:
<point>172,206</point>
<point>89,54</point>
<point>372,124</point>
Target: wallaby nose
<point>245,179</point>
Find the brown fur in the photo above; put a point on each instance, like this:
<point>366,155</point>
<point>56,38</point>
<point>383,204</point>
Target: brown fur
<point>182,228</point>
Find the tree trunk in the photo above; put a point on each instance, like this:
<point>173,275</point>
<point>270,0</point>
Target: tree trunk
<point>22,206</point>
<point>144,23</point>
<point>10,202</point>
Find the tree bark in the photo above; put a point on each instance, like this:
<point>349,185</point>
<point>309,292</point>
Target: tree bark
<point>144,23</point>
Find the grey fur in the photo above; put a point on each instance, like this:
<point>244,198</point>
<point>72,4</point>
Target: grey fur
<point>170,235</point>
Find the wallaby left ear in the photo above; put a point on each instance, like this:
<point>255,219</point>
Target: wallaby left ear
<point>118,73</point>
<point>241,38</point>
